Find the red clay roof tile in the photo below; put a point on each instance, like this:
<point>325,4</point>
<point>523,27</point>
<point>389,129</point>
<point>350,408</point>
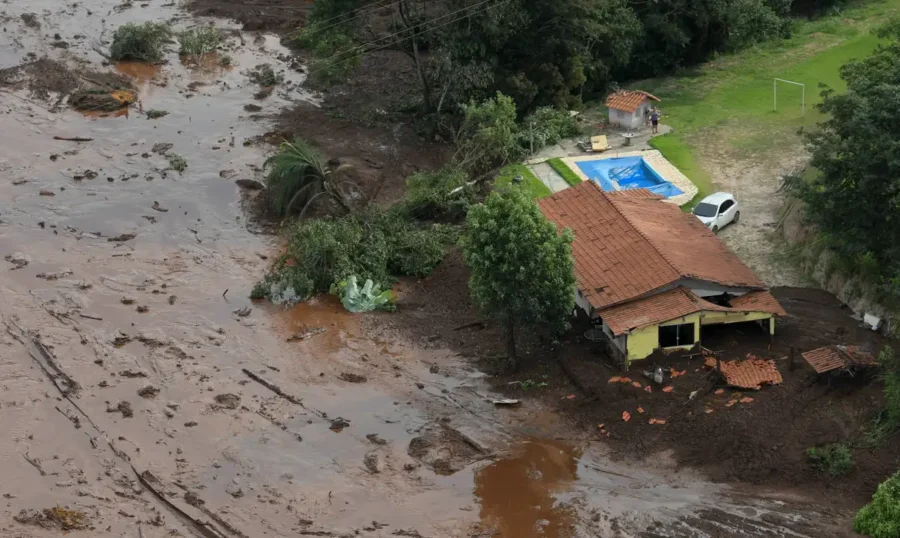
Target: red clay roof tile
<point>627,246</point>
<point>628,100</point>
<point>828,358</point>
<point>748,374</point>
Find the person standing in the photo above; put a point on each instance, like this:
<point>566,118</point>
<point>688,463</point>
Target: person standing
<point>654,120</point>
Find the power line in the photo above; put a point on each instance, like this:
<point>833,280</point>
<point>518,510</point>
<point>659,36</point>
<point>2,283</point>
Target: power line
<point>359,13</point>
<point>360,47</point>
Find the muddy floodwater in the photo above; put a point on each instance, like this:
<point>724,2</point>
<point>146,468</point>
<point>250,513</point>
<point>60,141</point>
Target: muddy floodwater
<point>143,394</point>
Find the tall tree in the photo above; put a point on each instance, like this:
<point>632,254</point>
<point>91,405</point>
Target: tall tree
<point>522,270</point>
<point>856,197</point>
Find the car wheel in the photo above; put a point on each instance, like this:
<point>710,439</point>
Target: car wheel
<point>737,217</point>
<point>715,229</point>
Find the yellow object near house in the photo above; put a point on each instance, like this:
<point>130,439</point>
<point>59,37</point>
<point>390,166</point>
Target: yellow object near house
<point>599,143</point>
<point>650,276</point>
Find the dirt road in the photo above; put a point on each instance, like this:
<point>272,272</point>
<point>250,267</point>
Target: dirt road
<point>144,395</point>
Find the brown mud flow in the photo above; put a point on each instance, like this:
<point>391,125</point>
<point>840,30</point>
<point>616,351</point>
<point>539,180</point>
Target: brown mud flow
<point>145,395</point>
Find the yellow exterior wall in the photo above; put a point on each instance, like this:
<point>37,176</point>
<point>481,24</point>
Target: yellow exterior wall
<point>644,341</point>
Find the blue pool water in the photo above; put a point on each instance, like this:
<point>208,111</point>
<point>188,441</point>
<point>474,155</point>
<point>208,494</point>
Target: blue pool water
<point>627,173</point>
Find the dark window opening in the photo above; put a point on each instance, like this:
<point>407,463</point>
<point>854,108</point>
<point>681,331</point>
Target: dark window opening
<point>676,335</point>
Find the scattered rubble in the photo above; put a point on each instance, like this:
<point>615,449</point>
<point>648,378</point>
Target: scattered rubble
<point>18,259</point>
<point>56,518</point>
<point>148,392</point>
<point>372,462</point>
<point>352,378</point>
<point>122,407</point>
<point>228,400</point>
<point>751,373</point>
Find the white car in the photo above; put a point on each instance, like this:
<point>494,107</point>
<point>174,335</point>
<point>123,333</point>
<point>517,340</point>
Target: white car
<point>718,210</point>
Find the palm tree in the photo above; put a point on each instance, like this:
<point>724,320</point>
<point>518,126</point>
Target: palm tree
<point>300,174</point>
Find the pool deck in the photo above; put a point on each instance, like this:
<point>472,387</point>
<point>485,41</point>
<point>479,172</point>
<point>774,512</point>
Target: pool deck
<point>654,159</point>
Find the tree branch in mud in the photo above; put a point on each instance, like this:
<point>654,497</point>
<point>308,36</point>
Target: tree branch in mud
<point>271,386</point>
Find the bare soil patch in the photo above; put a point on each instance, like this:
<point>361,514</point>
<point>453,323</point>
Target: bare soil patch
<point>45,77</point>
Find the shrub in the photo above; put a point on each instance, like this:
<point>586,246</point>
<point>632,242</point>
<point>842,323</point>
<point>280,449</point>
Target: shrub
<point>199,40</point>
<point>225,60</point>
<point>264,75</point>
<point>881,517</point>
<point>177,162</point>
<point>155,113</point>
<point>298,174</point>
<point>888,421</point>
<point>546,126</point>
<point>143,42</point>
<point>373,245</point>
<point>442,194</point>
<point>835,459</point>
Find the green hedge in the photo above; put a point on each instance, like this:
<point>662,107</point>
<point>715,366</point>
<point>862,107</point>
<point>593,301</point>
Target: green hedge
<point>563,170</point>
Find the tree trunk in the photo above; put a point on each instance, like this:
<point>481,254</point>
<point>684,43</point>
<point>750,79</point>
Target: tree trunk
<point>426,90</point>
<point>511,342</point>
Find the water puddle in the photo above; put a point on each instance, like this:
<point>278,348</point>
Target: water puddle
<point>520,495</point>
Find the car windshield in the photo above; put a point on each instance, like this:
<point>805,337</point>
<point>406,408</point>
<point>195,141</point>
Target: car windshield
<point>705,210</point>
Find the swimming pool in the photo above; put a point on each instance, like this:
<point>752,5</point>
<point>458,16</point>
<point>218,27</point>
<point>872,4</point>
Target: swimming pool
<point>622,173</point>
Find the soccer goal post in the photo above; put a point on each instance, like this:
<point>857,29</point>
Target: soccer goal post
<point>802,98</point>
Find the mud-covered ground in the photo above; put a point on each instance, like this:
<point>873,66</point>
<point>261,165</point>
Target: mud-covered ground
<point>758,443</point>
<point>143,394</point>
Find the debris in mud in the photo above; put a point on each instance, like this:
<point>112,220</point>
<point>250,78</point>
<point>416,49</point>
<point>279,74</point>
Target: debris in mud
<point>31,20</point>
<point>172,299</point>
<point>121,238</point>
<point>142,309</point>
<point>162,147</point>
<point>190,424</point>
<point>444,450</point>
<point>148,392</point>
<point>101,100</point>
<point>45,192</point>
<point>265,76</point>
<point>263,93</point>
<point>234,489</point>
<point>227,174</point>
<point>376,439</point>
<point>505,401</point>
<point>243,312</point>
<point>18,259</point>
<point>338,424</point>
<point>250,107</point>
<point>122,407</point>
<point>158,207</point>
<point>20,182</point>
<point>308,333</point>
<point>372,462</point>
<point>55,276</point>
<point>57,518</point>
<point>231,401</point>
<point>352,378</point>
<point>751,373</point>
<point>127,300</point>
<point>250,184</point>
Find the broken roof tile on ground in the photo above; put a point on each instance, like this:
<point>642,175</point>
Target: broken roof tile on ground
<point>751,373</point>
<point>836,357</point>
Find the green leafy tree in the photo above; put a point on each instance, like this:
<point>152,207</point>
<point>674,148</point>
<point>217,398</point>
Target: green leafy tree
<point>522,270</point>
<point>856,198</point>
<point>489,135</point>
<point>881,517</point>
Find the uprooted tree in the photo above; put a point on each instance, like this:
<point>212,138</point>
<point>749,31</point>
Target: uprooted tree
<point>522,270</point>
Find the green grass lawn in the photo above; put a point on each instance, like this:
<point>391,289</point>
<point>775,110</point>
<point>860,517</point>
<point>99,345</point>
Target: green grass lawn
<point>563,170</point>
<point>730,98</point>
<point>535,187</point>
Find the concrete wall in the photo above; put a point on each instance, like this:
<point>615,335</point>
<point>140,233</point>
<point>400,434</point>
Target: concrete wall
<point>624,119</point>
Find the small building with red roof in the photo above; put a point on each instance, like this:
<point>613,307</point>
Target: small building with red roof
<point>651,275</point>
<point>628,108</point>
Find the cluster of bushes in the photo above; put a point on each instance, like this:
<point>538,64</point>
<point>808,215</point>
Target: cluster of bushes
<point>142,42</point>
<point>835,460</point>
<point>373,244</point>
<point>881,517</point>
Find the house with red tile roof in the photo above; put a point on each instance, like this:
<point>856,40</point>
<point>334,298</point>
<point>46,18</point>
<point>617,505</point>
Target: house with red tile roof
<point>651,275</point>
<point>628,108</point>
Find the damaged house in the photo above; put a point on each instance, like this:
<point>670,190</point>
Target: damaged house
<point>651,275</point>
